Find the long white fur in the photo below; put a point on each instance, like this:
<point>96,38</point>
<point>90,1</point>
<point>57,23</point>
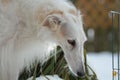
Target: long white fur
<point>22,37</point>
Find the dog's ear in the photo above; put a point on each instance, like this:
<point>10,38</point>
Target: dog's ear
<point>52,22</point>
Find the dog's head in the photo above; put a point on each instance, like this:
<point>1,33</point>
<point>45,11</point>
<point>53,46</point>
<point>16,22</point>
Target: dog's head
<point>67,30</point>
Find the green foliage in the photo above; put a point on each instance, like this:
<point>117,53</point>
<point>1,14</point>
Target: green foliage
<point>57,65</point>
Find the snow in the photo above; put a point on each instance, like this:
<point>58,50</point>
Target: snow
<point>47,77</point>
<point>102,64</point>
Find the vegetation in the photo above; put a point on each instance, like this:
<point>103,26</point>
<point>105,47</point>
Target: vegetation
<point>57,65</point>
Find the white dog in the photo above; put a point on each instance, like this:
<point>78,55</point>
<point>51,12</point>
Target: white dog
<point>28,28</point>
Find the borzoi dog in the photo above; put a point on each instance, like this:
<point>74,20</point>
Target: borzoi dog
<point>28,28</point>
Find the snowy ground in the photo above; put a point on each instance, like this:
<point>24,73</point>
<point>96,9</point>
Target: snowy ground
<point>47,77</point>
<point>102,64</point>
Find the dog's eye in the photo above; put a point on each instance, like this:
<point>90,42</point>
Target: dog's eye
<point>71,42</point>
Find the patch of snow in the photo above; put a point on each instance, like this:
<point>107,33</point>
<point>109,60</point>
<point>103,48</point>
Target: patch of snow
<point>101,63</point>
<point>47,77</point>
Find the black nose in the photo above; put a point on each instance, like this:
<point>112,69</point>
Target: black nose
<point>81,74</point>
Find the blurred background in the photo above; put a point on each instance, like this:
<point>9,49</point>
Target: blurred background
<point>97,22</point>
